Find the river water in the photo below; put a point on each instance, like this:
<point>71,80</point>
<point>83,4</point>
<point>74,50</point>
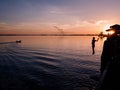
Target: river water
<point>48,62</point>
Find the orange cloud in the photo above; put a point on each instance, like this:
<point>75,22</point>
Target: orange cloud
<point>77,26</point>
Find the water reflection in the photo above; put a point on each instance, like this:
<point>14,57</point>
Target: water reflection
<point>66,43</point>
<point>40,62</point>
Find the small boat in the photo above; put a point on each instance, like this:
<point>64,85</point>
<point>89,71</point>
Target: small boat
<point>18,41</point>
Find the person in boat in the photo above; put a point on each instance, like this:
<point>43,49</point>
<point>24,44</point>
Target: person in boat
<point>18,41</point>
<point>110,61</point>
<point>93,44</point>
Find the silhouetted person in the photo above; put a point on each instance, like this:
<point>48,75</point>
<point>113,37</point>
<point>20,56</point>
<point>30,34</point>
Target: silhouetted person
<point>110,61</point>
<point>93,44</point>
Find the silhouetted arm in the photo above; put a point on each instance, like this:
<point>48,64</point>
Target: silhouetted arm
<point>97,39</point>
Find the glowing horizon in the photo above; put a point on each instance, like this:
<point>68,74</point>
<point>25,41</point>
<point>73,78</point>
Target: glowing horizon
<point>71,16</point>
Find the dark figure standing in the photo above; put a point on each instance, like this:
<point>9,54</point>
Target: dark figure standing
<point>93,45</point>
<point>110,61</point>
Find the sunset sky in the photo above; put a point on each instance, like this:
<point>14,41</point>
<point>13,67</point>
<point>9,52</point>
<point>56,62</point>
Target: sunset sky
<point>71,16</point>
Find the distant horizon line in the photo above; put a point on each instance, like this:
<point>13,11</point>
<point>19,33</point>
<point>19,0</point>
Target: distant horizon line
<point>49,34</point>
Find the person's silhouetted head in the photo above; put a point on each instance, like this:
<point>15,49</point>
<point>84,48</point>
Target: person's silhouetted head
<point>93,38</point>
<point>115,28</point>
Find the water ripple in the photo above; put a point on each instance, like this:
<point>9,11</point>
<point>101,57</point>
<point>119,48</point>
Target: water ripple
<point>29,69</point>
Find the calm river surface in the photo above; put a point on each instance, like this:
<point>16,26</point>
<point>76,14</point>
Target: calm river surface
<point>48,62</point>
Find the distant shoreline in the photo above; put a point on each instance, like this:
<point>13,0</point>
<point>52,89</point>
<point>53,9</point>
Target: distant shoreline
<point>48,34</point>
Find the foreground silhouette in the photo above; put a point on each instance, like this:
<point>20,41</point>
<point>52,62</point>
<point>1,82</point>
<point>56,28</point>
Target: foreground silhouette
<point>110,61</point>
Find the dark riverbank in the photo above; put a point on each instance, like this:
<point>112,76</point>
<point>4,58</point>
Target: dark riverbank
<point>48,34</point>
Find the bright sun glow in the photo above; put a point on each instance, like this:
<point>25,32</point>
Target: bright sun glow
<point>105,28</point>
<point>111,32</point>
